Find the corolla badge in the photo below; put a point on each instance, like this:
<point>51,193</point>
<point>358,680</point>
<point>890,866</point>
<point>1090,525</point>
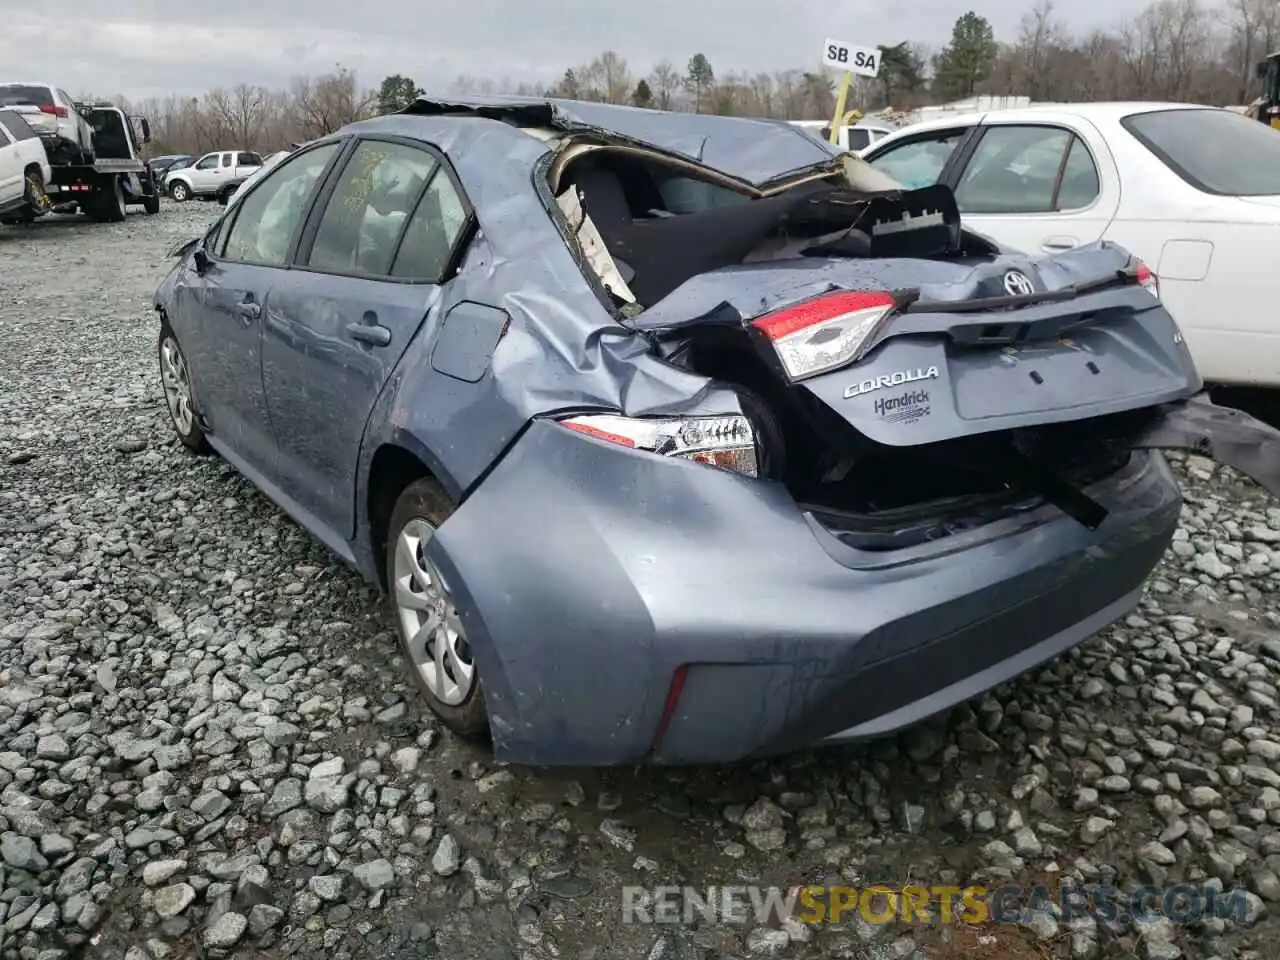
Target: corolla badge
<point>890,380</point>
<point>1018,284</point>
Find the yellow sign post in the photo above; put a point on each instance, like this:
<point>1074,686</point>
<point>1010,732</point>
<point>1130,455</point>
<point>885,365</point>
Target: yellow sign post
<point>852,61</point>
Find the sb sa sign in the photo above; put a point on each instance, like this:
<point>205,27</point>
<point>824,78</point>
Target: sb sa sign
<point>863,61</point>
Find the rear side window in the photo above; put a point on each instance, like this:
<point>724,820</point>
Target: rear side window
<point>1216,151</point>
<point>17,127</point>
<point>1026,168</point>
<point>374,197</point>
<point>19,93</point>
<point>250,160</point>
<point>433,232</point>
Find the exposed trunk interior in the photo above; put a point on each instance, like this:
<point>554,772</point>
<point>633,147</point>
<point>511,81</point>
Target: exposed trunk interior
<point>877,497</point>
<point>664,222</point>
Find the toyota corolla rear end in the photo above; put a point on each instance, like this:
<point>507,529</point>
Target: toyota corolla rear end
<point>926,492</point>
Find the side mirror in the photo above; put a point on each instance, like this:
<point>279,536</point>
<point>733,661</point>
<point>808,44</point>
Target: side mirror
<point>146,130</point>
<point>201,260</point>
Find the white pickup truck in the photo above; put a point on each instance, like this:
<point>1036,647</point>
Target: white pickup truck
<point>214,176</point>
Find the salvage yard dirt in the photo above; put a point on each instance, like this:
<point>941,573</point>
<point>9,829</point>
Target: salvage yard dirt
<point>209,748</point>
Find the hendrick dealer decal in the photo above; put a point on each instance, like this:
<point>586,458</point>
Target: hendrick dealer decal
<point>890,380</point>
<point>906,408</point>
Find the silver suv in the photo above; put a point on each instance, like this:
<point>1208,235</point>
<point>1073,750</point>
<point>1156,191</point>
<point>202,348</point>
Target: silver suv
<point>54,116</point>
<point>215,175</point>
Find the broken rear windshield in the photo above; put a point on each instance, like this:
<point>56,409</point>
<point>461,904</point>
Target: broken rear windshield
<point>1216,151</point>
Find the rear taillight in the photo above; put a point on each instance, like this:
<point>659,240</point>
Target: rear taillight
<point>824,333</point>
<point>1145,277</point>
<point>727,442</point>
<point>53,109</point>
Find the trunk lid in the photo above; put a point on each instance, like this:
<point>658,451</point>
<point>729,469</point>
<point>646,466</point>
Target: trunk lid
<point>963,355</point>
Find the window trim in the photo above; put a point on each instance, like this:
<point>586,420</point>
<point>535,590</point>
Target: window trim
<point>1072,133</point>
<point>311,225</point>
<point>1168,162</point>
<point>343,144</point>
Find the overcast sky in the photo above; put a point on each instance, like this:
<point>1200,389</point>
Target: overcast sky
<point>145,48</point>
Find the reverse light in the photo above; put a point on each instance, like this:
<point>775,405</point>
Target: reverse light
<point>825,333</point>
<point>726,442</point>
<point>53,109</point>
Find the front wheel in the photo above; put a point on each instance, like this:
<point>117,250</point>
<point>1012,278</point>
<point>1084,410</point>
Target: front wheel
<point>180,192</point>
<point>175,378</point>
<point>432,638</point>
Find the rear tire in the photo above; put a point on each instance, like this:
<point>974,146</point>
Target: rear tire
<point>37,200</point>
<point>151,204</point>
<point>432,640</point>
<point>107,204</point>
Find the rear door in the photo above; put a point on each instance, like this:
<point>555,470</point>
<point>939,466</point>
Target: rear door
<point>367,274</point>
<point>220,313</point>
<point>1039,188</point>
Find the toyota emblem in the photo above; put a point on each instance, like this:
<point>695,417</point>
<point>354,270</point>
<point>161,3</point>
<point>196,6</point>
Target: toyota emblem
<point>1017,284</point>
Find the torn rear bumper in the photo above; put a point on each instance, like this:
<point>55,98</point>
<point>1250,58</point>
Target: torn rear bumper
<point>1232,438</point>
<point>588,574</point>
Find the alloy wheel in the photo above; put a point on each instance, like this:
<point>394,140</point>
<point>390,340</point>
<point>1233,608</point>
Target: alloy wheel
<point>433,631</point>
<point>177,386</point>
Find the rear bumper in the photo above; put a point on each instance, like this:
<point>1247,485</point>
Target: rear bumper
<point>588,574</point>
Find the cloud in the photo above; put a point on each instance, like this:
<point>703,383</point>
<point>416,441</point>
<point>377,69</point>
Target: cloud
<point>148,48</point>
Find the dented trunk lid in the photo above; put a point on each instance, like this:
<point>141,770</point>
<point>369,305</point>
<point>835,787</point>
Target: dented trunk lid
<point>966,356</point>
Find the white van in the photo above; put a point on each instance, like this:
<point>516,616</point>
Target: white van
<point>856,137</point>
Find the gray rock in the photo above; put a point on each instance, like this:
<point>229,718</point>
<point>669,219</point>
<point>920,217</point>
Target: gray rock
<point>375,875</point>
<point>173,900</point>
<point>226,931</point>
<point>448,856</point>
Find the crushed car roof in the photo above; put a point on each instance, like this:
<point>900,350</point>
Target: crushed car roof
<point>758,151</point>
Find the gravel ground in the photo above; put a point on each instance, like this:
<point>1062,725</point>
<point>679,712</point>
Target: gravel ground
<point>208,748</point>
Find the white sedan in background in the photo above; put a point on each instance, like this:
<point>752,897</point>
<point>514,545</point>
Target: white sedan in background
<point>1193,191</point>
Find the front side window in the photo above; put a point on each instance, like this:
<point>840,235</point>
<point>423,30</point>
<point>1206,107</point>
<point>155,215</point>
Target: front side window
<point>1216,151</point>
<point>207,163</point>
<point>919,162</point>
<point>267,218</point>
<point>374,196</point>
<point>1014,170</point>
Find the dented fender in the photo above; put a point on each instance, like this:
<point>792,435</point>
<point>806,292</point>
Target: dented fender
<point>1228,436</point>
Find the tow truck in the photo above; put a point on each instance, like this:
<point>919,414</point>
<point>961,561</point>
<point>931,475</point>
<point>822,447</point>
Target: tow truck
<point>118,177</point>
<point>1267,107</point>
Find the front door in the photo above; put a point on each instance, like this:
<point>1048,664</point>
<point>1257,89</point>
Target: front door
<point>225,308</point>
<point>367,275</point>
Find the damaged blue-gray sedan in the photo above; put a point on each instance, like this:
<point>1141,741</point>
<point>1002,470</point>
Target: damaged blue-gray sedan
<point>683,438</point>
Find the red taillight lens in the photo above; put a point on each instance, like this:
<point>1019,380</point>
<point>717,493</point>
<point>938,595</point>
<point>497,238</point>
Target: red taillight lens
<point>53,109</point>
<point>673,701</point>
<point>1146,278</point>
<point>824,333</point>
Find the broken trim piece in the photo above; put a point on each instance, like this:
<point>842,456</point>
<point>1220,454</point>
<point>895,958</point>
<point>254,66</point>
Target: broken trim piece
<point>592,245</point>
<point>1231,438</point>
